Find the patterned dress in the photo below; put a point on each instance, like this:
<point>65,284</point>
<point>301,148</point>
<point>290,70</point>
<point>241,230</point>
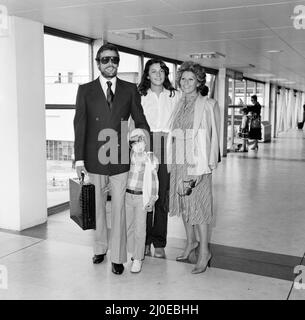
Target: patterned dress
<point>196,207</point>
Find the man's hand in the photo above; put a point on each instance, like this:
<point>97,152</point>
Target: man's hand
<point>79,170</point>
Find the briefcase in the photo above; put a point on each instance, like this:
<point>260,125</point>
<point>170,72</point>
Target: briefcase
<point>82,203</point>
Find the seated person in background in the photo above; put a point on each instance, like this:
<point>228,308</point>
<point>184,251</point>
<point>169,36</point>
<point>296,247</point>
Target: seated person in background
<point>141,195</point>
<point>244,129</point>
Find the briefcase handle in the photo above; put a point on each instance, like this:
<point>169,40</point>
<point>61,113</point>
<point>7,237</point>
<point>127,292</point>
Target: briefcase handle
<point>82,177</point>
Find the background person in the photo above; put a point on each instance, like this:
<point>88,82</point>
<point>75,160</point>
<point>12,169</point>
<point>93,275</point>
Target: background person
<point>100,105</point>
<point>158,98</point>
<point>191,179</point>
<point>255,130</point>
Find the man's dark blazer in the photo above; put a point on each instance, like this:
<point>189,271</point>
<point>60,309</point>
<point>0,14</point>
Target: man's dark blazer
<point>93,115</point>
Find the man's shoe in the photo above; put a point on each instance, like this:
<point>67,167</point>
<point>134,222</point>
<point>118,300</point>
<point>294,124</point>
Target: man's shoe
<point>159,253</point>
<point>117,268</point>
<point>147,251</point>
<point>98,258</point>
<point>136,266</point>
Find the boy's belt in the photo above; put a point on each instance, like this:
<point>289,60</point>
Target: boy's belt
<point>134,192</point>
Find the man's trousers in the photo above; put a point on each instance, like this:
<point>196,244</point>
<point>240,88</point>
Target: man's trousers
<point>118,239</point>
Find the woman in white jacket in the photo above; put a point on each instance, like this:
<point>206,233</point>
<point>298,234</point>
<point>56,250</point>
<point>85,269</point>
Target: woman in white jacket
<point>193,152</point>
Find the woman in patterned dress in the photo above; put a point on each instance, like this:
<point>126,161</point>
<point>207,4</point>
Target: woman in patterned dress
<point>193,151</point>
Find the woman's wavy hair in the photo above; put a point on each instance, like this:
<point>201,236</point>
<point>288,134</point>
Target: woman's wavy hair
<point>198,71</point>
<point>145,82</point>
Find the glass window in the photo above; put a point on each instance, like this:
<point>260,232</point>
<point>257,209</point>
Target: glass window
<point>251,89</point>
<point>260,92</point>
<point>236,99</point>
<point>239,97</point>
<point>60,154</point>
<point>66,66</point>
<point>230,93</point>
<point>129,67</point>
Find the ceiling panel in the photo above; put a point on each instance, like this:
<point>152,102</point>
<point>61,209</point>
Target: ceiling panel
<point>291,35</point>
<point>241,29</point>
<point>212,5</point>
<point>19,7</point>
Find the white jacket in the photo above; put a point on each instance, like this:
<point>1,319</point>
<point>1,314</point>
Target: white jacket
<point>205,137</point>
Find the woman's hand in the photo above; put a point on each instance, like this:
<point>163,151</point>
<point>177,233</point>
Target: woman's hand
<point>197,179</point>
<point>150,205</point>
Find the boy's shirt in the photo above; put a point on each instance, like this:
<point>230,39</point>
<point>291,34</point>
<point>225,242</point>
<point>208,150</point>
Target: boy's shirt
<point>136,174</point>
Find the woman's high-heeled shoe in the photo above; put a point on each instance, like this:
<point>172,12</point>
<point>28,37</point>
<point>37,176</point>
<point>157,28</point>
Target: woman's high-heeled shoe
<point>203,268</point>
<point>185,256</point>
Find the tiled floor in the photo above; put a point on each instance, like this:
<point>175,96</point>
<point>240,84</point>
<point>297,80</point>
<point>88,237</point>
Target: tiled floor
<point>260,200</point>
<point>59,270</point>
<point>260,223</point>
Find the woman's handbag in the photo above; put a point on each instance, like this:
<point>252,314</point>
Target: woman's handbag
<point>255,122</point>
<point>82,203</point>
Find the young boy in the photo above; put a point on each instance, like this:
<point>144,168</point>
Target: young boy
<point>141,195</point>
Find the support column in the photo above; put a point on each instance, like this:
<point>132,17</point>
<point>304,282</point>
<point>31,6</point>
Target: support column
<point>273,109</point>
<point>223,94</point>
<point>23,187</point>
<point>267,97</point>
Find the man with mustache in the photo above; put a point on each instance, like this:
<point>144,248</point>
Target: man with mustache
<point>101,107</point>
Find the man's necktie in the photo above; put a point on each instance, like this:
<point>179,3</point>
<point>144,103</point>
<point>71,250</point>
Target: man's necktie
<point>109,94</point>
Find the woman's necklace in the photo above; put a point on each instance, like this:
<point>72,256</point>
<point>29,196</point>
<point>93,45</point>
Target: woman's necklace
<point>191,98</point>
<point>188,101</point>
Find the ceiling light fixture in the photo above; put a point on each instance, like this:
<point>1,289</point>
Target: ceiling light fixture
<point>195,56</point>
<point>150,33</point>
<point>263,75</point>
<point>239,66</point>
<point>279,79</point>
<point>274,51</point>
<point>289,82</point>
<point>207,55</point>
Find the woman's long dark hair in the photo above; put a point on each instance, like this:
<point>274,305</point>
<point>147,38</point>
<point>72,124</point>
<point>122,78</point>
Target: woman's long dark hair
<point>145,82</point>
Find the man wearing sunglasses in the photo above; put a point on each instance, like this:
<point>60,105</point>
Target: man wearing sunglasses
<point>102,106</point>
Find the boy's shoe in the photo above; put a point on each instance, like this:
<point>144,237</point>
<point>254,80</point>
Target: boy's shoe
<point>136,266</point>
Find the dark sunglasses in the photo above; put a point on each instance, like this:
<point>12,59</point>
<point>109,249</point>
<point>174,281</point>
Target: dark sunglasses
<point>132,142</point>
<point>189,188</point>
<point>105,60</point>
